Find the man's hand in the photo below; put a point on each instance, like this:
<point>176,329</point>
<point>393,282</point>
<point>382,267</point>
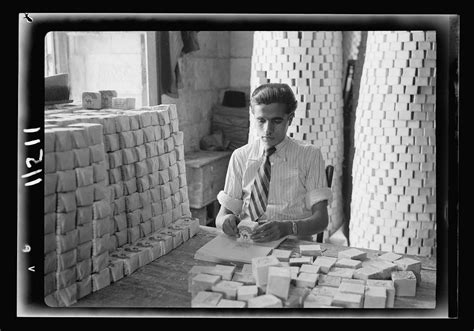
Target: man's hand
<point>229,225</point>
<point>269,231</point>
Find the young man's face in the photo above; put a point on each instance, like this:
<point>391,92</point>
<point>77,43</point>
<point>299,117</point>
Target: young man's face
<point>271,122</point>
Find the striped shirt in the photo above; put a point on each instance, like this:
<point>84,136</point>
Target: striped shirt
<point>298,180</point>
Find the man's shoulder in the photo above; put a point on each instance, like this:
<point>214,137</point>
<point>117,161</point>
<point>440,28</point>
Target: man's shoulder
<point>245,149</point>
<point>303,147</point>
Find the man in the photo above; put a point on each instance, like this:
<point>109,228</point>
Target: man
<point>276,181</point>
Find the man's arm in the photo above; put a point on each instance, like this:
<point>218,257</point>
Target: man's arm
<point>313,224</point>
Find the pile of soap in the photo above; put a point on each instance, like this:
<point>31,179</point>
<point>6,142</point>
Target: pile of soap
<point>307,279</point>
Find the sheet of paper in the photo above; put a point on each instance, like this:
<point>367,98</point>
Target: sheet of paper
<point>224,248</point>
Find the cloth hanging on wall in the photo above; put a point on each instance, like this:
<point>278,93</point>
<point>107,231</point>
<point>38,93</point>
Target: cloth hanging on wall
<point>172,45</point>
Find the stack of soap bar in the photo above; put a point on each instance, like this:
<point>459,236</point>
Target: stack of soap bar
<point>310,62</point>
<point>394,188</point>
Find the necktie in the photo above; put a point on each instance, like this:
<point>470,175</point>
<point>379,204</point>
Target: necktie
<point>260,188</point>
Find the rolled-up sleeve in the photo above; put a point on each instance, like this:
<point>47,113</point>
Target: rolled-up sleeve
<point>316,182</point>
<point>231,196</point>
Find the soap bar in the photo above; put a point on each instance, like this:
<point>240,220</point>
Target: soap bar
<point>91,100</point>
<point>246,228</point>
<point>116,269</point>
<point>310,250</point>
<point>65,222</point>
<point>100,280</point>
<point>68,241</point>
<point>341,272</point>
<point>306,280</point>
<point>84,287</point>
<point>347,300</point>
<point>278,282</point>
<point>82,157</point>
<point>50,262</point>
<point>348,263</point>
<point>83,269</point>
<point>260,267</point>
<point>352,253</point>
<point>203,282</point>
<point>225,303</point>
<point>99,262</point>
<point>317,301</point>
<point>123,103</point>
<point>85,176</point>
<point>326,280</point>
<point>84,251</point>
<point>84,196</point>
<point>228,288</point>
<point>247,292</point>
<point>50,223</point>
<point>205,299</point>
<point>265,301</point>
<point>299,261</point>
<point>66,296</point>
<point>106,98</point>
<point>405,283</point>
<point>388,285</point>
<point>325,263</point>
<point>375,297</point>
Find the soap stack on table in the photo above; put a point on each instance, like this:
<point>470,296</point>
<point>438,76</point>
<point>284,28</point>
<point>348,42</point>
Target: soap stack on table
<point>115,196</point>
<point>393,204</point>
<point>310,62</point>
<point>75,190</point>
<point>307,279</point>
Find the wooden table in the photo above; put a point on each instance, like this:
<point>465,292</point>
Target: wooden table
<point>164,282</point>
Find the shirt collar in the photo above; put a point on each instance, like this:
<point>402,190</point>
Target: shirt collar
<point>280,149</point>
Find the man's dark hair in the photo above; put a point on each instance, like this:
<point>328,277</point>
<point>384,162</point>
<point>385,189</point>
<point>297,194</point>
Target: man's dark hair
<point>274,93</point>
